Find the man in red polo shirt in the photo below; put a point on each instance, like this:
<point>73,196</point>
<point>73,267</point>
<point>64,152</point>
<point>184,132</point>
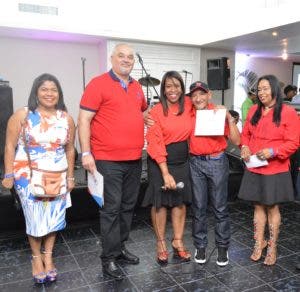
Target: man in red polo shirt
<point>111,133</point>
<point>209,173</point>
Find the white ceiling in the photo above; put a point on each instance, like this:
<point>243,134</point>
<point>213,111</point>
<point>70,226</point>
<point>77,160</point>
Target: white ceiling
<point>237,25</point>
<point>264,44</point>
<point>258,44</point>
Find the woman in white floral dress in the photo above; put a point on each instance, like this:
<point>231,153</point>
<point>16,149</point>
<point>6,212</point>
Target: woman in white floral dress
<point>49,133</point>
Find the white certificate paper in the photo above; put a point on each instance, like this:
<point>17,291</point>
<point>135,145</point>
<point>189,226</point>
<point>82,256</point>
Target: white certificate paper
<point>255,162</point>
<point>95,187</point>
<point>210,122</point>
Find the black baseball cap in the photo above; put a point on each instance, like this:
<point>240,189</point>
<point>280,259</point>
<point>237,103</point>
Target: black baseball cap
<point>198,85</point>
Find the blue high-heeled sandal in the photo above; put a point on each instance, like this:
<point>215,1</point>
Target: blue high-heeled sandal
<point>39,278</point>
<point>51,275</point>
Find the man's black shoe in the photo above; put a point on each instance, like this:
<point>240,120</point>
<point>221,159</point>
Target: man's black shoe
<point>128,257</point>
<point>200,255</point>
<point>110,268</point>
<point>222,259</point>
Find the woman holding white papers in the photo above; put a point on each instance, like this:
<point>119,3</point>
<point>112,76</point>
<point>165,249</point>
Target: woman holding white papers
<point>168,165</point>
<point>271,133</point>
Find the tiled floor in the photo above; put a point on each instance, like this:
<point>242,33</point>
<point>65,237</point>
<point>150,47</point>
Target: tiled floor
<point>78,248</point>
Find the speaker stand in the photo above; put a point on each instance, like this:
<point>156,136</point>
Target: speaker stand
<point>222,96</point>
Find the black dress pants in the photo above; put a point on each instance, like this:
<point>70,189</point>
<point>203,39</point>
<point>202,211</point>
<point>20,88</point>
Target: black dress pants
<point>121,189</point>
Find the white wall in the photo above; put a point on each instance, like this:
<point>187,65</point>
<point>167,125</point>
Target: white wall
<point>22,60</point>
<point>282,69</point>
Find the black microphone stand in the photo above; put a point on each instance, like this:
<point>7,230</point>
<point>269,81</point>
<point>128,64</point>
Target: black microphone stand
<point>147,77</point>
<point>83,84</point>
<point>185,77</point>
<point>222,96</point>
<point>83,71</point>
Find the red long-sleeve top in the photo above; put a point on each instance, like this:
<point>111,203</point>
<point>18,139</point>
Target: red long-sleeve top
<point>168,129</point>
<point>284,139</point>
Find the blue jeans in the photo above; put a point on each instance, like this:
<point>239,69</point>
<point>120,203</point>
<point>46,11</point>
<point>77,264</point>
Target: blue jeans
<point>209,183</point>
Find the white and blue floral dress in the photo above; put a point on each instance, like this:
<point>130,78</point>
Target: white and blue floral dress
<point>46,138</point>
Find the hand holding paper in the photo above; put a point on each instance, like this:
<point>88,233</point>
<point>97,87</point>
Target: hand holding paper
<point>255,162</point>
<point>95,187</point>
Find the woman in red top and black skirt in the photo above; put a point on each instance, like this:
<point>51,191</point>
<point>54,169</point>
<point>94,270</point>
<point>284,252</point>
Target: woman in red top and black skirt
<point>168,165</point>
<point>271,132</point>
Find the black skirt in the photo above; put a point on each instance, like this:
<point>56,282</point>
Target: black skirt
<point>178,165</point>
<point>267,189</point>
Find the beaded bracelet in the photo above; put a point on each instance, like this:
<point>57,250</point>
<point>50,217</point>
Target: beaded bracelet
<point>8,175</point>
<point>71,178</point>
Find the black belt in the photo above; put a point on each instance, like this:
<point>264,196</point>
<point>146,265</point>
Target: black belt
<point>213,156</point>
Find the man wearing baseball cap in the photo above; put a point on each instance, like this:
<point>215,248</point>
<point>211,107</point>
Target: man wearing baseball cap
<point>209,172</point>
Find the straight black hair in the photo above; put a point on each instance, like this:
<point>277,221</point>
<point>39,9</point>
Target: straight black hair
<point>37,83</point>
<point>163,97</point>
<point>276,94</point>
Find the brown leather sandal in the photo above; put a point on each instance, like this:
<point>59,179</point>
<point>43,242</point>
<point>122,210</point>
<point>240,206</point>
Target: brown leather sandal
<point>257,250</point>
<point>271,256</point>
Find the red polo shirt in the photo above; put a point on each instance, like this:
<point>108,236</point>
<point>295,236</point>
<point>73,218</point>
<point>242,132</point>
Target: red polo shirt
<point>205,145</point>
<point>117,129</point>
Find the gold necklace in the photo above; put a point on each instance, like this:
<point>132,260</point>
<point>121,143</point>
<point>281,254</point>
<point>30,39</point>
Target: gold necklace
<point>269,107</point>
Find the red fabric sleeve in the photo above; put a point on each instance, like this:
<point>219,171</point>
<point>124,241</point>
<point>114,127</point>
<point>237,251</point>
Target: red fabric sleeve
<point>92,96</point>
<point>156,147</point>
<point>290,142</point>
